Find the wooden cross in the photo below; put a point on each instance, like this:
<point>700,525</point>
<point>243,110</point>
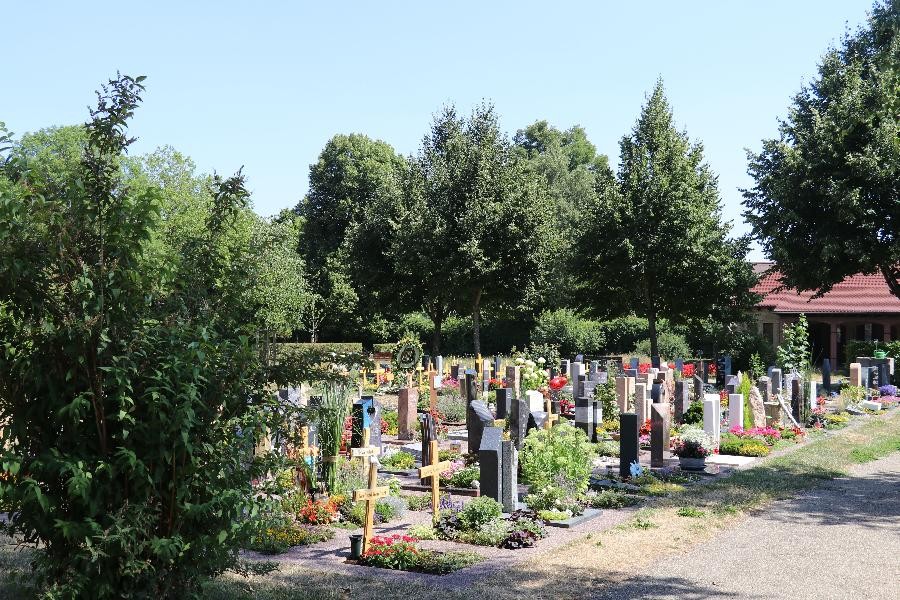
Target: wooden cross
<point>434,471</point>
<point>370,496</point>
<point>551,418</point>
<point>305,448</point>
<point>365,451</point>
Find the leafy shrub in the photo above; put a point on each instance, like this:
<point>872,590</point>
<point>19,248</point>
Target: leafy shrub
<point>671,345</point>
<point>460,476</point>
<point>623,334</point>
<point>423,531</point>
<point>448,455</point>
<point>563,451</point>
<point>692,442</point>
<point>452,406</point>
<point>606,395</point>
<point>836,421</point>
<point>392,552</point>
<point>694,414</point>
<point>609,499</point>
<point>735,446</point>
<point>390,422</point>
<point>278,538</point>
<point>320,347</point>
<point>573,333</point>
<point>399,460</point>
<point>418,502</point>
<point>479,511</point>
<point>554,515</point>
<point>607,448</point>
<point>554,497</point>
<point>524,530</point>
<point>319,512</point>
<point>492,533</point>
<point>390,508</point>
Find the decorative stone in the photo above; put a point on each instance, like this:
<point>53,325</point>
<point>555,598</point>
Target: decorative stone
<point>509,472</point>
<point>757,406</point>
<point>659,434</point>
<point>629,443</point>
<point>490,462</point>
<point>407,404</point>
<point>735,410</point>
<point>870,405</point>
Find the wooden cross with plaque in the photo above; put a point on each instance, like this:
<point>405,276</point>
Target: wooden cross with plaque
<point>434,471</point>
<point>370,496</point>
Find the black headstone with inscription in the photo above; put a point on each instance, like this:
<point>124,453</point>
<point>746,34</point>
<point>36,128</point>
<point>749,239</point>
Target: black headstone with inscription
<point>504,402</point>
<point>490,463</point>
<point>629,442</point>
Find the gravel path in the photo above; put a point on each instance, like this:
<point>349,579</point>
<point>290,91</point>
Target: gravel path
<point>841,540</point>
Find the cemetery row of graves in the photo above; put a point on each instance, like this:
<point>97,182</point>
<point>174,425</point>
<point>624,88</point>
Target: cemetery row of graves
<point>506,454</point>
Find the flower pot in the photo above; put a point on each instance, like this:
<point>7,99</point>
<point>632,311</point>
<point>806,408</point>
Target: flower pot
<point>356,545</point>
<point>692,464</point>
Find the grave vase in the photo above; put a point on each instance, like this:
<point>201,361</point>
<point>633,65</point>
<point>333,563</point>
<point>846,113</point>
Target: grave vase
<point>692,464</point>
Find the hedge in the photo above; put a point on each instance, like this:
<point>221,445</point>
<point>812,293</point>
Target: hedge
<point>337,347</point>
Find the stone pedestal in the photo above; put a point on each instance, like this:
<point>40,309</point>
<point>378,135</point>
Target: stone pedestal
<point>659,434</point>
<point>735,410</point>
<point>629,442</point>
<point>407,404</point>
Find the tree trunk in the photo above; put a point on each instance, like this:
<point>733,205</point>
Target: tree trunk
<point>476,323</point>
<point>654,341</point>
<point>436,336</point>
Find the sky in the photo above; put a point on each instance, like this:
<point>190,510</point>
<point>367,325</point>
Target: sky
<point>264,85</point>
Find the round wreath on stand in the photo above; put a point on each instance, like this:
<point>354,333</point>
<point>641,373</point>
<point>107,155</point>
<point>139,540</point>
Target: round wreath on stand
<point>406,355</point>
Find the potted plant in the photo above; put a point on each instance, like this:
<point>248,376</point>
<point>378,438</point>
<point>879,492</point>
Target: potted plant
<point>692,447</point>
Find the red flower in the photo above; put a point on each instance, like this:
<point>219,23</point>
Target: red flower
<point>558,383</point>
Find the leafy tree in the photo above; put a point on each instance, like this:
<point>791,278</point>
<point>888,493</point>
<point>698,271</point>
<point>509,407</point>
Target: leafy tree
<point>826,199</point>
<point>121,387</point>
<point>655,243</point>
<point>473,232</point>
<point>353,193</point>
<point>794,351</point>
<point>572,171</point>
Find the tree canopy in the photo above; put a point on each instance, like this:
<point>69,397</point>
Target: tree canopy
<point>826,198</point>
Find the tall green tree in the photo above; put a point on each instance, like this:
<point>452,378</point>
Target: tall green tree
<point>474,232</point>
<point>121,395</point>
<point>655,243</point>
<point>572,171</point>
<point>826,199</point>
<point>354,190</point>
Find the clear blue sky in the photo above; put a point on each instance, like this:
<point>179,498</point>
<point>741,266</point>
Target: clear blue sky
<point>265,84</point>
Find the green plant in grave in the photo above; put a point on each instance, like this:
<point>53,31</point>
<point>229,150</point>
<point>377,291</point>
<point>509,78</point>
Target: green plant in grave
<point>606,395</point>
<point>794,352</point>
<point>561,452</point>
<point>131,413</point>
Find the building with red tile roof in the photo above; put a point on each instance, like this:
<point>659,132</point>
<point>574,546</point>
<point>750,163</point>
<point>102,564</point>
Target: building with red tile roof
<point>859,308</point>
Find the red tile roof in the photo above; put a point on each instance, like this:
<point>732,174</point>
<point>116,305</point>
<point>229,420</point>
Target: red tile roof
<point>857,294</point>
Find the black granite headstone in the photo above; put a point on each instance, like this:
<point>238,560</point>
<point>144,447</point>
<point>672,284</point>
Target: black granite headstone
<point>504,402</point>
<point>490,462</point>
<point>454,372</point>
<point>477,419</point>
<point>629,442</point>
<point>366,413</point>
<point>429,433</point>
<point>797,400</point>
<point>826,375</point>
<point>731,384</point>
<point>726,361</point>
<point>471,387</point>
<point>656,391</point>
<point>655,361</point>
<point>698,388</point>
<point>681,397</point>
<point>426,361</point>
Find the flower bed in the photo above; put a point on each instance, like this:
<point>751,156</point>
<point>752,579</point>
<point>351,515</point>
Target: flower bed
<point>403,553</point>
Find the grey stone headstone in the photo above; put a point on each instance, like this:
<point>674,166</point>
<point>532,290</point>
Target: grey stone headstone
<point>439,364</point>
<point>682,398</point>
<point>504,402</point>
<point>633,363</point>
<point>584,415</point>
<point>679,364</point>
<point>777,384</point>
<point>519,415</point>
<point>629,443</point>
<point>594,370</point>
<point>496,366</point>
<point>471,386</point>
<point>597,407</point>
<point>490,462</point>
<point>536,420</point>
<point>765,388</point>
<point>731,383</point>
<point>579,358</point>
<point>698,388</point>
<point>509,480</point>
<point>631,373</point>
<point>478,418</point>
<point>826,375</point>
<point>659,434</point>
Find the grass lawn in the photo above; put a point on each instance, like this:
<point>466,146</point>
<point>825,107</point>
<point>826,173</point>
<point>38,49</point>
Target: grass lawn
<point>664,525</point>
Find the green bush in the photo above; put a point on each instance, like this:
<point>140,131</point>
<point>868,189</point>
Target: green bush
<point>732,445</point>
<point>561,452</point>
<point>694,414</point>
<point>491,533</point>
<point>622,335</point>
<point>399,460</point>
<point>452,406</point>
<point>390,421</point>
<point>671,346</point>
<point>554,515</point>
<point>418,502</point>
<point>478,512</point>
<point>322,347</point>
<point>572,333</point>
<point>609,499</point>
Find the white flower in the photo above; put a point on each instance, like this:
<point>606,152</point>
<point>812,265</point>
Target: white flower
<point>520,361</point>
<point>529,363</point>
<point>541,360</point>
